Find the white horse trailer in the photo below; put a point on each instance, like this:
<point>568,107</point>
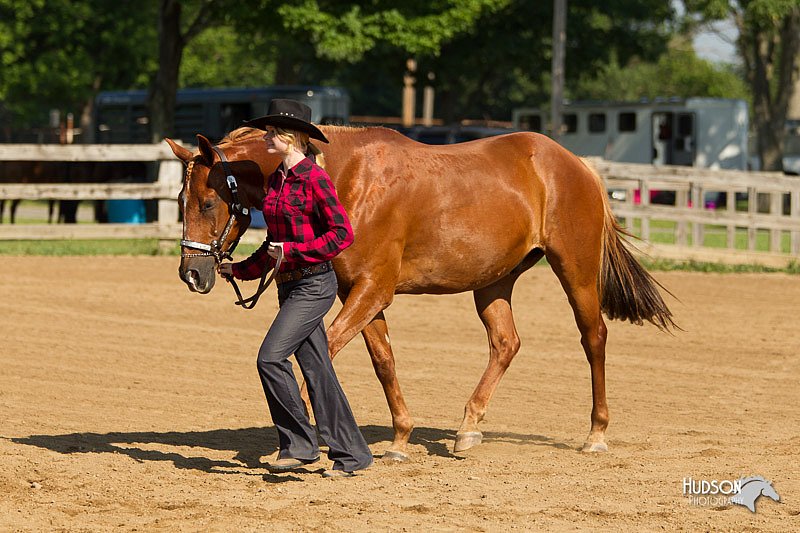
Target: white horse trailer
<point>702,132</point>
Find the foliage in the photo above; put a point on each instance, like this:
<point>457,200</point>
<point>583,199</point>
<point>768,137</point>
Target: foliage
<point>503,59</point>
<point>486,56</point>
<point>56,53</point>
<point>222,57</point>
<point>679,72</point>
<point>769,45</point>
<point>345,31</point>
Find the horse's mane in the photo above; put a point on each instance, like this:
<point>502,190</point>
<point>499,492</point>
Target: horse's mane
<point>239,135</point>
<point>246,133</point>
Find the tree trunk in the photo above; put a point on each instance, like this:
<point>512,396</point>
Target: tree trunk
<point>161,99</point>
<point>794,102</point>
<point>770,50</point>
<point>88,127</point>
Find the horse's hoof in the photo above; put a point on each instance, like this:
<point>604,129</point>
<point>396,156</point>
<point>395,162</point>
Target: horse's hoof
<point>466,440</point>
<point>595,447</point>
<point>392,456</point>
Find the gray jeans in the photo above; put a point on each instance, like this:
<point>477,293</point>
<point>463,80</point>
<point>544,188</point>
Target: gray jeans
<point>298,329</point>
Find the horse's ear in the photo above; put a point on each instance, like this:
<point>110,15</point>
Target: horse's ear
<point>206,152</point>
<point>180,152</point>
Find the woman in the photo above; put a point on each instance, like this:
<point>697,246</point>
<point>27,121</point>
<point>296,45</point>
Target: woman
<point>308,225</point>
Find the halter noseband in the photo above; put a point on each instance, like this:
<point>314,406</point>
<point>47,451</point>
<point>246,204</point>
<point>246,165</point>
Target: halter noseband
<point>215,249</point>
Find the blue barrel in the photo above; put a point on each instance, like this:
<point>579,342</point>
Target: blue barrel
<point>257,219</point>
<point>126,211</point>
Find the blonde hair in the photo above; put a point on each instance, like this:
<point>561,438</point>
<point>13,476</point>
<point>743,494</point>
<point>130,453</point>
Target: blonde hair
<point>297,139</point>
<point>294,138</point>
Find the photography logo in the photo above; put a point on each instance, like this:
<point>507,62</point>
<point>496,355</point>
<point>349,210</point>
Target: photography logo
<point>714,493</point>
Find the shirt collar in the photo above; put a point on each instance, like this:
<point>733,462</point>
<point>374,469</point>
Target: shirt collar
<point>300,169</point>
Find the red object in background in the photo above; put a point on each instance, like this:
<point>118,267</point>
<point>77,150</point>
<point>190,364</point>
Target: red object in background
<point>637,199</point>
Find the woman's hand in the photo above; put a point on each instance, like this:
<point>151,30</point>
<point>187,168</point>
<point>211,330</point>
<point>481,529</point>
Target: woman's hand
<point>274,249</point>
<point>225,269</point>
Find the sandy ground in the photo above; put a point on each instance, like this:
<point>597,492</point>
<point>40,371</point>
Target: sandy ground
<point>128,403</point>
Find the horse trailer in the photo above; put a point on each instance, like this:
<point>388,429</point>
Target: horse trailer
<point>121,116</point>
<point>701,132</point>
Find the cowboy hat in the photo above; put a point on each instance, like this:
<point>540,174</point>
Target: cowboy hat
<point>290,115</point>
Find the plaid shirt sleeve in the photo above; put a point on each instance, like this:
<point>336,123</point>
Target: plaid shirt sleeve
<point>337,233</point>
<point>253,266</point>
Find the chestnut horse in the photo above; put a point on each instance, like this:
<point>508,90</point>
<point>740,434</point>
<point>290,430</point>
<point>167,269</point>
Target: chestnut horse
<point>442,220</point>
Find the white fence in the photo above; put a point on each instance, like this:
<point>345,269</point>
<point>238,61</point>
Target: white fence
<point>759,223</point>
<point>755,231</point>
<point>165,190</point>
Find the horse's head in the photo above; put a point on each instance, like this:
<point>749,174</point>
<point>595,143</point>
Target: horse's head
<point>769,491</point>
<point>215,209</point>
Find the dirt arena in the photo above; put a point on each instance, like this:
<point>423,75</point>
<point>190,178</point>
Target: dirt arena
<point>128,403</point>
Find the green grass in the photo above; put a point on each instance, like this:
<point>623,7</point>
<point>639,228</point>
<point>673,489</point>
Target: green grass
<point>667,265</point>
<point>83,247</point>
<point>714,236</point>
<point>151,247</point>
<point>100,247</point>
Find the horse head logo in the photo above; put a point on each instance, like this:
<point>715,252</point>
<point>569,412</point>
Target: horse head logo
<point>751,489</point>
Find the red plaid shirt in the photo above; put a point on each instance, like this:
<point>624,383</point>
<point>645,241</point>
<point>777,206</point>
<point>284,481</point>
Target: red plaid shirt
<point>302,211</point>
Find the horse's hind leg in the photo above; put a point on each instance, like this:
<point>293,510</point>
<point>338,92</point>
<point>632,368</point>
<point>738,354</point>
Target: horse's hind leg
<point>493,304</point>
<point>578,276</point>
<point>376,335</point>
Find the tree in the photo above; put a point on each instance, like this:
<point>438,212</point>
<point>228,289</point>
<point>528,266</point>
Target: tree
<point>172,39</point>
<point>769,44</point>
<point>497,61</point>
<point>57,54</point>
<point>222,57</point>
<point>678,72</point>
<point>505,60</point>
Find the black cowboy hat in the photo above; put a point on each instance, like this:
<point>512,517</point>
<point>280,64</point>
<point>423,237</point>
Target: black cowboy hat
<point>290,115</point>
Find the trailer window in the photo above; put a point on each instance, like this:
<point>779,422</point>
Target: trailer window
<point>685,124</point>
<point>597,122</point>
<point>627,121</point>
<point>570,123</point>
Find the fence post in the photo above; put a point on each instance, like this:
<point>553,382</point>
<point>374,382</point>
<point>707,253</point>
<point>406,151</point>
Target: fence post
<point>752,209</point>
<point>697,204</point>
<point>644,201</point>
<point>682,202</point>
<point>169,176</point>
<point>730,208</point>
<point>776,210</point>
<point>170,172</point>
<point>795,214</point>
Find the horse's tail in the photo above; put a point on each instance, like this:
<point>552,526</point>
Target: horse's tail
<point>627,291</point>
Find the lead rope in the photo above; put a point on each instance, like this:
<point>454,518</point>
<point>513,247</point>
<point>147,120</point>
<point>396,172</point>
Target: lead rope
<point>236,206</point>
<point>263,283</point>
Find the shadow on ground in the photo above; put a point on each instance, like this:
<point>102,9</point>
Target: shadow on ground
<point>248,445</point>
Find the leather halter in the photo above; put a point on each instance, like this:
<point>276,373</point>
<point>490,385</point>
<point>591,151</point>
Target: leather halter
<point>215,249</point>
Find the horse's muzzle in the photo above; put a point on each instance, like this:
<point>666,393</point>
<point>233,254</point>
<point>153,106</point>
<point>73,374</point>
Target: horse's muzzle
<point>198,273</point>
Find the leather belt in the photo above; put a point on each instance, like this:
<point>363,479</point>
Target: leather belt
<point>303,272</point>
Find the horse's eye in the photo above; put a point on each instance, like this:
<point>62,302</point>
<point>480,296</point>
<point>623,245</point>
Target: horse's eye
<point>208,204</point>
